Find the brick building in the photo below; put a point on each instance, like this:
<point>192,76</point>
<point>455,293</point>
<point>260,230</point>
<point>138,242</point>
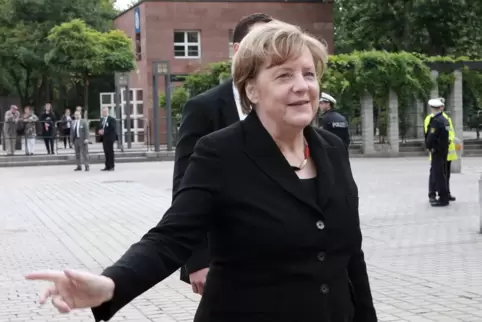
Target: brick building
<point>191,34</point>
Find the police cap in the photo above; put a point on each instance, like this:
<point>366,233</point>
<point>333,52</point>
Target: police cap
<point>435,102</point>
<point>327,98</point>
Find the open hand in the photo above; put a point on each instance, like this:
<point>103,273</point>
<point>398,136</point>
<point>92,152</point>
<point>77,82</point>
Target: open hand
<point>73,289</point>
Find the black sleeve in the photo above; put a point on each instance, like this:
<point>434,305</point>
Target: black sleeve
<point>195,124</point>
<point>357,272</point>
<point>324,122</point>
<point>112,125</point>
<point>168,245</point>
<point>432,134</point>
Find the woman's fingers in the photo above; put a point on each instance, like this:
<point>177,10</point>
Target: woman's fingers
<point>59,303</point>
<point>51,276</point>
<point>48,293</point>
<point>75,277</point>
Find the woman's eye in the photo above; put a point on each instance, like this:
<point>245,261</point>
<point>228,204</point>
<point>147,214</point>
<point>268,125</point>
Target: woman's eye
<point>285,75</point>
<point>310,74</point>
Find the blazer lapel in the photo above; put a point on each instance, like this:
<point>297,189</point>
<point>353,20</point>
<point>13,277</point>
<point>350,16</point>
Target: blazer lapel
<point>322,154</point>
<point>227,103</point>
<point>261,148</point>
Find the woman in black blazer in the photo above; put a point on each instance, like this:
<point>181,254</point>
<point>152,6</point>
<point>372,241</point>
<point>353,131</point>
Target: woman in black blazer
<point>276,196</point>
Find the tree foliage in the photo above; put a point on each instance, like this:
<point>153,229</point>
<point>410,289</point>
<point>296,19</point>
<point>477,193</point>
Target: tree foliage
<point>431,27</point>
<point>348,76</point>
<point>84,52</point>
<point>24,28</point>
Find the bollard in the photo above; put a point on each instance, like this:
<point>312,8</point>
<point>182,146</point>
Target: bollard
<point>456,166</point>
<point>480,204</point>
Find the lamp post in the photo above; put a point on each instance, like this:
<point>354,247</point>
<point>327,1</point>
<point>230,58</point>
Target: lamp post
<point>162,68</point>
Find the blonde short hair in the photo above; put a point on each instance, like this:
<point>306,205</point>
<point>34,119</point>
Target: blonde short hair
<point>271,44</point>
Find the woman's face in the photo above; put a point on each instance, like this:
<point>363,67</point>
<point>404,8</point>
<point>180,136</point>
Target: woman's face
<point>48,107</point>
<point>287,93</point>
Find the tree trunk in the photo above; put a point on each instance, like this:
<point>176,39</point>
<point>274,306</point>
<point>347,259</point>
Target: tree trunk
<point>86,97</point>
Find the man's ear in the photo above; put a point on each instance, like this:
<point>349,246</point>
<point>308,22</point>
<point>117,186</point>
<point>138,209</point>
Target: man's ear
<point>235,47</point>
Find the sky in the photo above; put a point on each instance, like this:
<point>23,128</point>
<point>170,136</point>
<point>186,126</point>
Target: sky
<point>123,4</point>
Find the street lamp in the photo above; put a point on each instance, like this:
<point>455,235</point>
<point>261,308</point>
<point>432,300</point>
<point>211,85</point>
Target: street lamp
<point>162,68</point>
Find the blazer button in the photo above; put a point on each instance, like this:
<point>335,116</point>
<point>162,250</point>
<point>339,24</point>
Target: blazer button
<point>321,256</point>
<point>320,225</point>
<point>324,289</point>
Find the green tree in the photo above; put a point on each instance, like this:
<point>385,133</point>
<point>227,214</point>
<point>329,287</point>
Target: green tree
<point>24,27</point>
<point>179,97</point>
<point>85,52</point>
<point>432,27</point>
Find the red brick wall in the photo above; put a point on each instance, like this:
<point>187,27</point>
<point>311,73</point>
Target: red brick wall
<point>213,20</point>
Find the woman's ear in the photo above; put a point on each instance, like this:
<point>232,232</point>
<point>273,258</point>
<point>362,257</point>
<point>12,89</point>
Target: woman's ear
<point>252,93</point>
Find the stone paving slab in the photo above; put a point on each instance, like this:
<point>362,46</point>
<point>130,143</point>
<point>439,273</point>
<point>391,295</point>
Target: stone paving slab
<point>424,263</point>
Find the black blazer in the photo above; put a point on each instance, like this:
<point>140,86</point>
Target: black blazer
<point>277,253</point>
<point>50,119</point>
<point>203,114</point>
<point>110,133</point>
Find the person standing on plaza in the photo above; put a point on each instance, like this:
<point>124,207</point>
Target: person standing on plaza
<point>333,121</point>
<point>277,196</point>
<point>108,135</point>
<point>12,116</point>
<point>208,112</point>
<point>30,128</point>
<point>79,136</point>
<point>47,119</point>
<point>66,125</point>
<point>451,156</point>
<point>438,144</point>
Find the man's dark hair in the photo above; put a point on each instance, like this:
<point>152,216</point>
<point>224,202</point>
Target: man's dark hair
<point>244,25</point>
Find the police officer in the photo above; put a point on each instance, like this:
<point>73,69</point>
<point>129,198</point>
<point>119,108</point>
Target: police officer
<point>452,154</point>
<point>437,143</point>
<point>333,121</point>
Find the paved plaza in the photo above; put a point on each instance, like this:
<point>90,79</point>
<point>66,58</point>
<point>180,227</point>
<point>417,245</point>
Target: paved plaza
<point>425,264</point>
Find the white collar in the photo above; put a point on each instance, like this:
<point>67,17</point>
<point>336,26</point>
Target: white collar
<point>237,99</point>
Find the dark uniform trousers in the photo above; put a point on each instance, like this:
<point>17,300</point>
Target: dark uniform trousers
<point>438,174</point>
<point>432,186</point>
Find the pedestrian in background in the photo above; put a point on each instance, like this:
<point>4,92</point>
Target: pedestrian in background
<point>332,121</point>
<point>30,128</point>
<point>451,156</point>
<point>12,116</point>
<point>47,120</point>
<point>66,124</point>
<point>108,135</point>
<point>205,113</point>
<point>80,137</point>
<point>437,143</point>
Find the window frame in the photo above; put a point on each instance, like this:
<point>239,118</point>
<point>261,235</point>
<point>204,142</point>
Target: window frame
<point>186,44</point>
<point>230,43</point>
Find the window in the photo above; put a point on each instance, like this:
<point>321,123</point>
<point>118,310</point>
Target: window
<point>187,44</point>
<point>230,37</point>
<point>138,47</point>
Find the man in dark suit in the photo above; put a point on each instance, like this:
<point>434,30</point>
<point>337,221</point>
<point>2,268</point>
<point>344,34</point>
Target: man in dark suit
<point>203,114</point>
<point>108,134</point>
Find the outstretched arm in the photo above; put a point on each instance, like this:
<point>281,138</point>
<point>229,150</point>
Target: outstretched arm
<point>168,245</point>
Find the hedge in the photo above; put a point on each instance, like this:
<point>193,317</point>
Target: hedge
<point>349,75</point>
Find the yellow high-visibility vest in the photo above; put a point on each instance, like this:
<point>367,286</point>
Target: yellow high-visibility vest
<point>452,156</point>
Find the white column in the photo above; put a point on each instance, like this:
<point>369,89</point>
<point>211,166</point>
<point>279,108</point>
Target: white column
<point>420,116</point>
<point>393,124</point>
<point>368,137</point>
<point>457,115</point>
